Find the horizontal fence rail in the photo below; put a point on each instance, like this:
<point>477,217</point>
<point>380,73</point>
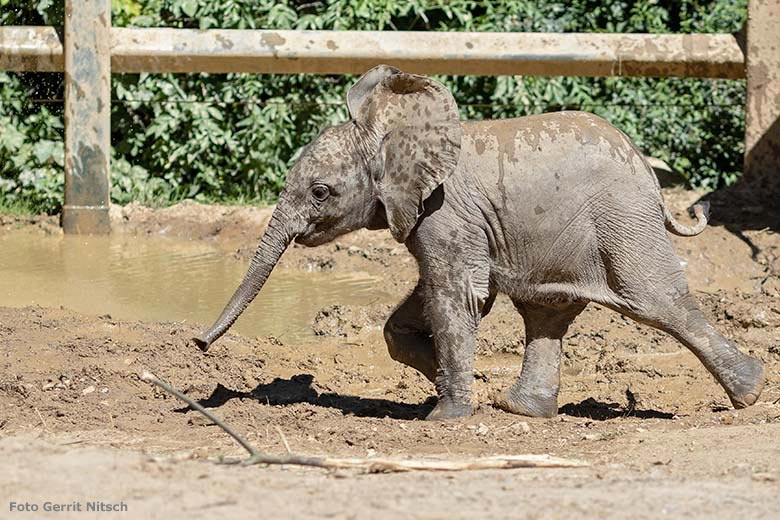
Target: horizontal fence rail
<point>353,52</point>
<point>37,49</point>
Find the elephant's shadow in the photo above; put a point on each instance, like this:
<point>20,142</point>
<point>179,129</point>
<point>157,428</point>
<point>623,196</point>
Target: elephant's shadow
<point>600,411</point>
<point>299,389</point>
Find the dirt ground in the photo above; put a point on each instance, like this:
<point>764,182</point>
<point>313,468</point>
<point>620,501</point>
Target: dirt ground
<point>77,423</point>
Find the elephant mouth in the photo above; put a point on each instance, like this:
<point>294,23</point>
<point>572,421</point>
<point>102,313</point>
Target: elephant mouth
<point>315,234</point>
<point>312,239</point>
<point>308,237</point>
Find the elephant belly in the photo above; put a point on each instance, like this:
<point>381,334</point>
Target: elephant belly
<point>550,268</point>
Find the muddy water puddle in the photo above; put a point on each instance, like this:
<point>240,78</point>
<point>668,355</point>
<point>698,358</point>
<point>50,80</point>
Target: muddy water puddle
<point>166,279</point>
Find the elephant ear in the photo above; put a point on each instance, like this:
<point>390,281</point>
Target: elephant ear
<point>360,91</point>
<point>415,120</point>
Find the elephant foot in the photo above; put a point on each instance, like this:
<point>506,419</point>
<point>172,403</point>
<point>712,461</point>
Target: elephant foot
<point>518,402</point>
<point>749,384</point>
<point>447,409</point>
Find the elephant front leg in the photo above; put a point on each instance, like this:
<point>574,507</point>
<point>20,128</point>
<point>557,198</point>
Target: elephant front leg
<point>535,394</point>
<point>408,336</point>
<point>454,322</point>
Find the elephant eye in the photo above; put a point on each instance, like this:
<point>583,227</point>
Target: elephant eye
<point>320,192</point>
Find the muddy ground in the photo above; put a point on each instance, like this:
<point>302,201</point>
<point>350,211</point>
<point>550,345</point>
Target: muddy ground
<point>77,424</point>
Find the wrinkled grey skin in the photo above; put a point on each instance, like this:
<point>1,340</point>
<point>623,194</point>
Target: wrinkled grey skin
<point>554,210</point>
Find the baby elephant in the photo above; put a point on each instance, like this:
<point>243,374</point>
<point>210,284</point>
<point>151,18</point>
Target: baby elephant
<point>554,210</point>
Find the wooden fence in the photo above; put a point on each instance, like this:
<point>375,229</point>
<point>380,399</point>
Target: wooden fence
<point>89,49</point>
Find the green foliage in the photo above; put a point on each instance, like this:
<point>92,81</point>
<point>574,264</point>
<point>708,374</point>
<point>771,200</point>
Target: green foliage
<point>232,137</point>
<point>31,149</point>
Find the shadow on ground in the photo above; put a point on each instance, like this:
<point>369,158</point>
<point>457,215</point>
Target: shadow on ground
<point>748,205</point>
<point>600,411</point>
<point>299,389</point>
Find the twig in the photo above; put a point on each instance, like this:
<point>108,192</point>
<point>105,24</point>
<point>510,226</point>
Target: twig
<point>373,465</point>
<point>151,378</point>
<point>284,439</point>
<point>45,427</point>
<point>631,406</point>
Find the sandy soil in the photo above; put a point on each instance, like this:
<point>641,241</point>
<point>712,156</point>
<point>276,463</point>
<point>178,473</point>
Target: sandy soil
<point>77,424</point>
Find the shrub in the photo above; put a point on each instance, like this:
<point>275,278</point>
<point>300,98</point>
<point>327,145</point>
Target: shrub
<point>232,137</point>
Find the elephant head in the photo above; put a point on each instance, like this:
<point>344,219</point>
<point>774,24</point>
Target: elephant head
<point>401,142</point>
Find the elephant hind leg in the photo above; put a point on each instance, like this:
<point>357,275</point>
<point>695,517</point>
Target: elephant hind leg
<point>535,393</point>
<point>646,283</point>
<point>675,311</point>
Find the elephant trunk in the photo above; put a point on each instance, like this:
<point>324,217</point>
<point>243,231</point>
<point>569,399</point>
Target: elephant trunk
<point>278,235</point>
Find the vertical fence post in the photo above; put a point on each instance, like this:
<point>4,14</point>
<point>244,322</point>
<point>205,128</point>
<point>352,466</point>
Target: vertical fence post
<point>762,124</point>
<point>87,49</point>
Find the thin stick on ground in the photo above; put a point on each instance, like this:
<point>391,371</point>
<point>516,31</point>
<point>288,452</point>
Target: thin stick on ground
<point>374,465</point>
<point>284,439</point>
<point>45,426</point>
<point>151,378</point>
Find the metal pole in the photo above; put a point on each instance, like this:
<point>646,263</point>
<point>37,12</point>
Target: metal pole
<point>762,124</point>
<point>87,50</point>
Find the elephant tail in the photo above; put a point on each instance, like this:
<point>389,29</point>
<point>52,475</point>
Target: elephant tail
<point>701,211</point>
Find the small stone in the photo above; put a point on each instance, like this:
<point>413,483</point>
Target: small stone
<point>764,477</point>
<point>480,375</point>
<point>49,385</point>
<point>199,420</point>
<point>88,390</point>
<point>523,427</point>
<point>200,453</point>
<point>482,429</point>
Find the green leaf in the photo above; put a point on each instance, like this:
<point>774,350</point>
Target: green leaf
<point>189,7</point>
